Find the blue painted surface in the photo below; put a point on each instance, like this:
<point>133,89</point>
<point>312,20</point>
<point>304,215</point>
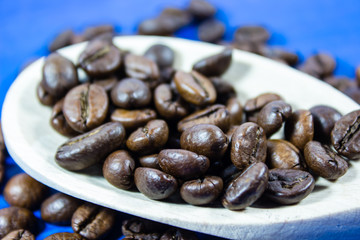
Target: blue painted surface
<point>27,27</point>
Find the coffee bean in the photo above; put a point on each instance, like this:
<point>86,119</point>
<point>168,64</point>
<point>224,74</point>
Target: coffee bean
<point>96,31</point>
<point>195,88</point>
<point>13,218</point>
<point>58,121</point>
<point>201,191</point>
<point>92,221</point>
<point>201,9</point>
<point>281,54</point>
<point>59,208</point>
<point>161,54</point>
<point>161,26</point>
<point>214,65</point>
<point>141,68</point>
<point>90,148</point>
<point>150,161</point>
<point>118,169</point>
<point>253,47</point>
<point>154,183</point>
<point>245,189</point>
<point>149,138</point>
<point>24,191</point>
<point>106,83</point>
<point>230,132</point>
<point>137,228</point>
<point>345,136</point>
<point>100,59</point>
<point>85,107</point>
<point>183,164</point>
<point>65,236</point>
<point>132,119</point>
<point>324,118</point>
<point>253,106</point>
<point>211,30</point>
<point>216,115</point>
<point>340,83</point>
<point>320,65</point>
<point>178,17</point>
<point>131,93</point>
<point>178,234</point>
<point>353,93</point>
<point>289,186</point>
<point>168,104</point>
<point>62,40</point>
<point>283,154</point>
<point>272,116</point>
<point>357,75</point>
<point>299,128</point>
<point>44,97</point>
<point>59,75</point>
<point>323,161</point>
<point>251,34</point>
<point>205,139</point>
<point>235,109</point>
<point>19,234</point>
<point>224,90</point>
<point>248,145</point>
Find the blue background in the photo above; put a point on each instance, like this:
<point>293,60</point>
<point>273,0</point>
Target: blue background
<point>305,27</point>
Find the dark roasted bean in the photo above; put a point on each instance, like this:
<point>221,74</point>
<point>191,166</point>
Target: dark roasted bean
<point>96,31</point>
<point>150,161</point>
<point>235,109</point>
<point>44,97</point>
<point>345,136</point>
<point>162,26</point>
<point>137,228</point>
<point>178,17</point>
<point>281,54</point>
<point>251,35</point>
<point>289,186</point>
<point>205,139</point>
<point>92,221</point>
<point>253,106</point>
<point>217,115</point>
<point>211,30</point>
<point>154,183</point>
<point>58,121</point>
<point>19,234</point>
<point>323,161</point>
<point>161,54</point>
<point>85,107</point>
<point>62,40</point>
<point>59,75</point>
<point>245,189</point>
<point>132,119</point>
<point>353,93</point>
<point>106,83</point>
<point>272,116</point>
<point>214,65</point>
<point>201,9</point>
<point>178,234</point>
<point>13,218</point>
<point>248,145</point>
<point>65,236</point>
<point>24,191</point>
<point>59,208</point>
<point>320,65</point>
<point>141,68</point>
<point>340,83</point>
<point>89,148</point>
<point>299,128</point>
<point>201,191</point>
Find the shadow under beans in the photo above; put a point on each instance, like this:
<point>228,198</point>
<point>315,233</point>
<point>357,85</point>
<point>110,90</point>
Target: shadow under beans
<point>95,170</point>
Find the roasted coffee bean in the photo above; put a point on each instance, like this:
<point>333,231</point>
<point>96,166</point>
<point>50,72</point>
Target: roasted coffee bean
<point>178,17</point>
<point>235,109</point>
<point>224,90</point>
<point>201,9</point>
<point>272,116</point>
<point>131,93</point>
<point>178,234</point>
<point>211,30</point>
<point>106,83</point>
<point>205,139</point>
<point>59,75</point>
<point>58,121</point>
<point>62,40</point>
<point>168,104</point>
<point>132,119</point>
<point>320,65</point>
<point>44,97</point>
<point>195,88</point>
<point>230,133</point>
<point>65,236</point>
<point>19,234</point>
<point>299,128</point>
<point>245,189</point>
<point>283,154</point>
<point>13,218</point>
<point>150,161</point>
<point>93,32</point>
<point>214,65</point>
<point>92,221</point>
<point>183,164</point>
<point>149,138</point>
<point>345,136</point>
<point>323,161</point>
<point>216,115</point>
<point>118,169</point>
<point>256,48</point>
<point>251,34</point>
<point>154,183</point>
<point>90,148</point>
<point>253,106</point>
<point>357,76</point>
<point>59,208</point>
<point>353,93</point>
<point>141,68</point>
<point>100,59</point>
<point>137,228</point>
<point>340,83</point>
<point>161,26</point>
<point>85,107</point>
<point>201,191</point>
<point>24,191</point>
<point>289,186</point>
<point>161,54</point>
<point>248,145</point>
<point>324,118</point>
<point>281,54</point>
